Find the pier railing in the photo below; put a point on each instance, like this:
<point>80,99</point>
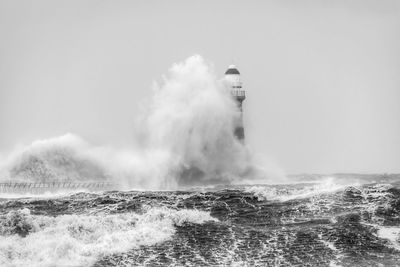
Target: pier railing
<point>12,187</point>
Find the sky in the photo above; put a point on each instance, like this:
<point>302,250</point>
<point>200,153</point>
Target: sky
<point>321,77</point>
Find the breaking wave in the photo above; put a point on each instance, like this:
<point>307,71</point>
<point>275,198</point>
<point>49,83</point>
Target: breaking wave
<point>65,158</point>
<point>299,191</point>
<point>186,139</point>
<point>79,240</point>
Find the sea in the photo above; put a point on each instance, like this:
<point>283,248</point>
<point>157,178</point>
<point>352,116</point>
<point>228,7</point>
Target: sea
<point>314,220</point>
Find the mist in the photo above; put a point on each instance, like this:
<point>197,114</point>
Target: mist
<point>185,137</point>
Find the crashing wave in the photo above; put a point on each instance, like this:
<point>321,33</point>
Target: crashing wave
<point>79,240</point>
<point>59,159</point>
<point>187,139</point>
<point>263,193</point>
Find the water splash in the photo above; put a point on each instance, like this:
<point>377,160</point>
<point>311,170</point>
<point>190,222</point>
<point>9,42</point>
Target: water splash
<point>186,139</point>
<point>78,240</point>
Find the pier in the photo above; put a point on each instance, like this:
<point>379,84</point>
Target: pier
<point>37,188</point>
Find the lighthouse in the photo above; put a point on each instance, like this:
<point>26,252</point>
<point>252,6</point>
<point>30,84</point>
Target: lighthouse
<point>232,76</point>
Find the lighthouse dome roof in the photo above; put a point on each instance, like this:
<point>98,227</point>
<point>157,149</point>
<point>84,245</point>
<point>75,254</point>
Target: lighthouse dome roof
<point>232,70</point>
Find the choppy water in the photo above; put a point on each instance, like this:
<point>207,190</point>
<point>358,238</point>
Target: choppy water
<point>324,223</point>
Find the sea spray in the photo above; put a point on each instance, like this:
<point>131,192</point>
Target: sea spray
<point>192,118</point>
<point>186,139</point>
<point>59,159</point>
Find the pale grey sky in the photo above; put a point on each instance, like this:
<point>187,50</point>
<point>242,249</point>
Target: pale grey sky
<point>322,77</point>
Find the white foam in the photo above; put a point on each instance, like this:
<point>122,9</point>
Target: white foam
<point>80,240</point>
<point>273,193</point>
<point>390,233</point>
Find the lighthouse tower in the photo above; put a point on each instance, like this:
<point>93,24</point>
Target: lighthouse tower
<point>232,76</point>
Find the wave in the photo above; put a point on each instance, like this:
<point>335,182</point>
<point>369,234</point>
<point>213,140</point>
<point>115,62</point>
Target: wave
<point>276,193</point>
<point>80,240</point>
<point>65,158</point>
<point>185,138</point>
